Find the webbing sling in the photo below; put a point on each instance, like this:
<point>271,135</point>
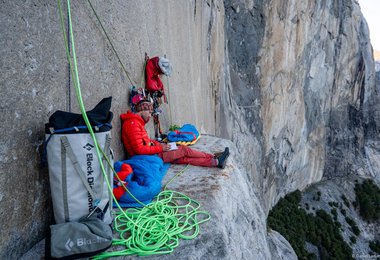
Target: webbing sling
<point>78,169</point>
<point>64,183</point>
<point>107,148</point>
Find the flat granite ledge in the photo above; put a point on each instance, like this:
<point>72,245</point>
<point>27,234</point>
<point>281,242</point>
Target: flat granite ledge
<point>237,225</point>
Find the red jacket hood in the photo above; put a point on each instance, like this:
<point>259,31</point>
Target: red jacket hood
<point>129,115</point>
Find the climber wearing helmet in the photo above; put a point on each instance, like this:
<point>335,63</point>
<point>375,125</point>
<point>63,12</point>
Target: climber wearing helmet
<point>136,141</point>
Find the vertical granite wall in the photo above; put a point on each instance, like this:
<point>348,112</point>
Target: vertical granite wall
<point>300,100</point>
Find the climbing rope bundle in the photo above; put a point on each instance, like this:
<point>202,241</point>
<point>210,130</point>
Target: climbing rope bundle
<point>157,227</point>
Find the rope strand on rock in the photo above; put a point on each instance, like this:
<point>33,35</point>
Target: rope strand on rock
<point>112,46</point>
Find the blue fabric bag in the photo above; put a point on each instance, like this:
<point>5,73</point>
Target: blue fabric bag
<point>187,133</point>
<point>145,180</point>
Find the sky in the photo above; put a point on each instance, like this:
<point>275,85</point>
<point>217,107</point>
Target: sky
<point>371,12</point>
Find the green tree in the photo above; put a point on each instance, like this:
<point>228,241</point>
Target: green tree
<point>368,200</point>
<point>298,226</point>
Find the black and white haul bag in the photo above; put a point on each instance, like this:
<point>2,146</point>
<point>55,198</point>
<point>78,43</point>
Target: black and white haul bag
<point>73,240</point>
<point>78,185</point>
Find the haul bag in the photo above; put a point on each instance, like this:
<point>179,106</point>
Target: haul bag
<point>73,240</point>
<point>78,185</point>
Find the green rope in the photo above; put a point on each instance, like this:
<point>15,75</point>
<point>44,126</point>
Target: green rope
<point>178,174</point>
<point>73,67</point>
<point>161,224</point>
<point>74,71</point>
<point>157,227</point>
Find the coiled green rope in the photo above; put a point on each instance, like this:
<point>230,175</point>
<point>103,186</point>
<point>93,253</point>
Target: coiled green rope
<point>157,227</point>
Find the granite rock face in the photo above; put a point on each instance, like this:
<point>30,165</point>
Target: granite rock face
<point>237,229</point>
<point>300,99</point>
<point>35,82</point>
<point>291,83</point>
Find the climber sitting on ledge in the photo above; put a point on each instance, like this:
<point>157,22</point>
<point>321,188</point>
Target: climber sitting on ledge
<point>136,141</point>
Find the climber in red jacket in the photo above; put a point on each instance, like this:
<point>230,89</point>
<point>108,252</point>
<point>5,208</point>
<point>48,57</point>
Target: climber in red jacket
<point>136,141</point>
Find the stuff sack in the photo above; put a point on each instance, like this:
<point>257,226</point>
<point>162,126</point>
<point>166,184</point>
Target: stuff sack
<point>73,240</point>
<point>153,69</point>
<point>78,186</point>
<point>186,133</point>
<point>142,176</point>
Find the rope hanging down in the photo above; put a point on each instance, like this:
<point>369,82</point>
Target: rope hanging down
<point>155,118</point>
<point>157,227</point>
<point>112,46</point>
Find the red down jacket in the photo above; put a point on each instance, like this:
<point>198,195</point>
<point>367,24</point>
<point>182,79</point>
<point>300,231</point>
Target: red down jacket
<point>152,75</point>
<point>134,136</point>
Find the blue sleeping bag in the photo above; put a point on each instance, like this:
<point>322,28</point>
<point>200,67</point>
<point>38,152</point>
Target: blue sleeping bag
<point>145,180</point>
<point>187,133</point>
